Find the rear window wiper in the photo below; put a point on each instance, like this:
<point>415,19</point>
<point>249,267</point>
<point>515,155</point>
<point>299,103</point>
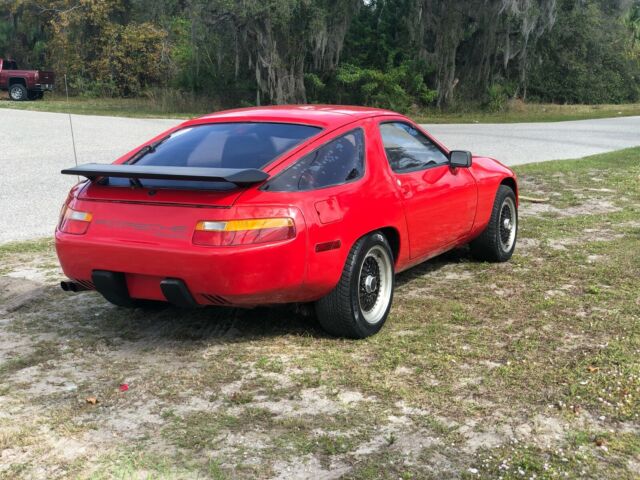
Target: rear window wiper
<point>150,148</point>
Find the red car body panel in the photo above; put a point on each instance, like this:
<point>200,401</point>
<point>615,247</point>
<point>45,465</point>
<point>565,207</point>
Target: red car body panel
<point>149,238</point>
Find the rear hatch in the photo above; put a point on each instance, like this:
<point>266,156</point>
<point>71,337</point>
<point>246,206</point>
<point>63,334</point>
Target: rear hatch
<point>159,205</point>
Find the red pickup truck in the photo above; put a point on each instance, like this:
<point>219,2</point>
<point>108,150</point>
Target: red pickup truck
<point>24,84</point>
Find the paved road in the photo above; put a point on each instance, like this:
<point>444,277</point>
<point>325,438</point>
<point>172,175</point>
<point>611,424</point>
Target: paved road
<point>518,143</point>
<point>34,146</point>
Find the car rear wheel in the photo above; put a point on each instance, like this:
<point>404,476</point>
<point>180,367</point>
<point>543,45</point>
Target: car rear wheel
<point>35,95</point>
<point>18,92</point>
<point>359,305</point>
<point>498,241</point>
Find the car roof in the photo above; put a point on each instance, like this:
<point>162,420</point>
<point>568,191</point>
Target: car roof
<point>317,115</point>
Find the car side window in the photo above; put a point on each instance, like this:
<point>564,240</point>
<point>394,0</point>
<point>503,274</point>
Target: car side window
<point>409,150</point>
<point>338,162</point>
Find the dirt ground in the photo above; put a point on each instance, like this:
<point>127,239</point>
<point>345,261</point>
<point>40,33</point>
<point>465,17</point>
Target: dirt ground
<point>528,369</point>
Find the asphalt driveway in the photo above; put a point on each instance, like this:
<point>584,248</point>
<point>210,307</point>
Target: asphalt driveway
<point>34,146</point>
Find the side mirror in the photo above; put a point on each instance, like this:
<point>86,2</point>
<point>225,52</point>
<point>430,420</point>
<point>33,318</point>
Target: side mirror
<point>460,158</point>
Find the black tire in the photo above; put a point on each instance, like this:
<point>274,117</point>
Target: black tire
<point>498,241</point>
<point>341,312</point>
<point>35,95</point>
<point>18,92</point>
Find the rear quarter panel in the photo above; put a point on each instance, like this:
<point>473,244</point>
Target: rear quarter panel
<point>343,212</point>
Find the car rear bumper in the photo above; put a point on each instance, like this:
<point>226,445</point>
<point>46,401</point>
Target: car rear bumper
<point>242,276</point>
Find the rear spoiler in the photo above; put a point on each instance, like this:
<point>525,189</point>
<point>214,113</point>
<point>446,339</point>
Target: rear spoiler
<point>239,176</point>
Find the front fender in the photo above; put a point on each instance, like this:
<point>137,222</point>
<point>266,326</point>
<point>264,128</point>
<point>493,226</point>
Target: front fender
<point>489,175</point>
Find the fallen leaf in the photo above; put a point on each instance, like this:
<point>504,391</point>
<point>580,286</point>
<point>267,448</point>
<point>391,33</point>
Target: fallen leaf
<point>92,400</point>
<point>124,387</point>
<point>599,441</point>
<point>592,369</point>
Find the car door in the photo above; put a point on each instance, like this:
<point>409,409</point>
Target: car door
<point>439,201</point>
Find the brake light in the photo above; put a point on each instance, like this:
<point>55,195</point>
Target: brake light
<point>243,232</point>
<point>75,221</point>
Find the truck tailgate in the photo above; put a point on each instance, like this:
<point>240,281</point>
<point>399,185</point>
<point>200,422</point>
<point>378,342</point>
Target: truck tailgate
<point>46,77</point>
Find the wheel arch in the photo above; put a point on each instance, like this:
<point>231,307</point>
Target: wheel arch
<point>393,237</point>
<point>512,184</point>
<point>17,80</point>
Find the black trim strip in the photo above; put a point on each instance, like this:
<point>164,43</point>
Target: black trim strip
<point>177,293</point>
<point>113,287</point>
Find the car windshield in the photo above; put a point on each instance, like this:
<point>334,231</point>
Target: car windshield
<point>218,145</point>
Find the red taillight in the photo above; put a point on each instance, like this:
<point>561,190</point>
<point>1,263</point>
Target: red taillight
<point>74,221</point>
<point>243,232</point>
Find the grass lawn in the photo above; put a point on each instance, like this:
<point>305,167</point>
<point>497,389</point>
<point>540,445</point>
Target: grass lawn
<point>153,108</point>
<point>528,369</point>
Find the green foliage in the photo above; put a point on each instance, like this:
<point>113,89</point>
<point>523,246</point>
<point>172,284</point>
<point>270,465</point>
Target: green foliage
<point>315,87</point>
<point>498,96</point>
<point>632,23</point>
<point>395,88</point>
<point>584,59</point>
<point>88,88</point>
<point>398,54</point>
<point>129,58</point>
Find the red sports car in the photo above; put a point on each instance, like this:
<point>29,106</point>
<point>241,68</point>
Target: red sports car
<point>289,204</point>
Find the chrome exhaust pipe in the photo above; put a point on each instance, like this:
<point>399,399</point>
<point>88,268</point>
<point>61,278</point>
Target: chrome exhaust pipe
<point>72,287</point>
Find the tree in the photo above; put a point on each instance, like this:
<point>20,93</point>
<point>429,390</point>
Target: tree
<point>402,54</point>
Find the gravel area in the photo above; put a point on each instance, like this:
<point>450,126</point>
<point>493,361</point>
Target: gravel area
<point>34,146</point>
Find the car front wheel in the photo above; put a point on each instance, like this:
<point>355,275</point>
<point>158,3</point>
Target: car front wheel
<point>498,241</point>
<point>359,305</point>
<point>17,92</point>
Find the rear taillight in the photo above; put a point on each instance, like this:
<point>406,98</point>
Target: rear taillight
<point>243,232</point>
<point>74,221</point>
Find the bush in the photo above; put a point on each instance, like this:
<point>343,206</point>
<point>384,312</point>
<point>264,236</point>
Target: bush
<point>397,88</point>
<point>88,88</point>
<point>498,97</point>
<point>172,100</point>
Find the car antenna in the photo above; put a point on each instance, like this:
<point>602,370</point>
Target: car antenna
<point>73,139</point>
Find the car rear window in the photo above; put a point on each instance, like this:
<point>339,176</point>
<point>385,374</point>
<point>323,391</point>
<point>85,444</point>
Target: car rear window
<point>223,145</point>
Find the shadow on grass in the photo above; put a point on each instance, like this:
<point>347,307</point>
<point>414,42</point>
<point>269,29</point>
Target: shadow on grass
<point>87,314</point>
<point>457,255</point>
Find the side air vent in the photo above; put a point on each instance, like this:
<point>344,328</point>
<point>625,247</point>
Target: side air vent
<point>86,284</point>
<point>215,299</point>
